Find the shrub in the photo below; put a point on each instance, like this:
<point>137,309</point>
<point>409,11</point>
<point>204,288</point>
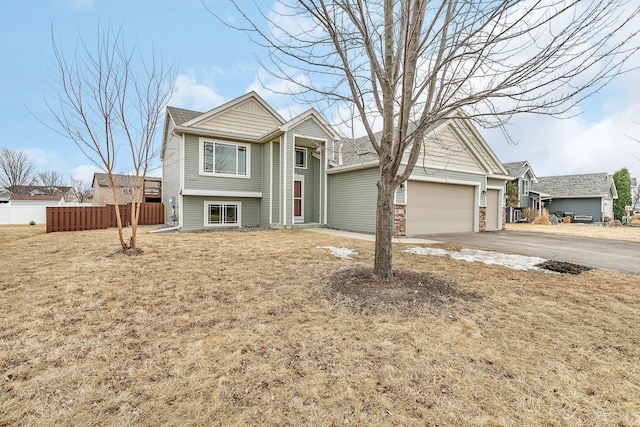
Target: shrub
<point>32,223</point>
<point>529,214</point>
<point>543,218</point>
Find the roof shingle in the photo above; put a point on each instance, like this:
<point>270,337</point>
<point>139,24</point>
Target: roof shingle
<point>585,185</point>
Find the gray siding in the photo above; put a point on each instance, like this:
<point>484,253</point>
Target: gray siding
<point>171,174</point>
<point>266,190</point>
<point>496,182</point>
<point>577,206</point>
<point>277,189</point>
<point>194,210</point>
<point>194,181</point>
<point>353,198</point>
<point>400,192</point>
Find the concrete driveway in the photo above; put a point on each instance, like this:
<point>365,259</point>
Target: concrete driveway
<point>596,253</point>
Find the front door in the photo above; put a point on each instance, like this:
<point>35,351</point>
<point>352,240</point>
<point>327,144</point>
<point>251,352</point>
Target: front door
<point>298,200</point>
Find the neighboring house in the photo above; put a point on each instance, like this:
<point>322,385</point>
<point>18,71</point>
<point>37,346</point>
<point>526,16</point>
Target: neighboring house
<point>242,164</point>
<point>36,200</point>
<point>5,195</point>
<point>589,195</point>
<point>524,181</point>
<point>102,194</point>
<point>41,190</point>
<point>22,209</point>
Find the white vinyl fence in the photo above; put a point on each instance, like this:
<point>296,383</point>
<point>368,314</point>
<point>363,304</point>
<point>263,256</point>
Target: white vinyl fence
<point>16,214</point>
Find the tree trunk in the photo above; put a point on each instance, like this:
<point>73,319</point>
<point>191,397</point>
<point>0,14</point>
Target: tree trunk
<point>383,262</point>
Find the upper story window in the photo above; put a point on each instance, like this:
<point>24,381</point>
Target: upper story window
<point>301,157</point>
<point>127,191</point>
<point>225,158</point>
<point>525,187</point>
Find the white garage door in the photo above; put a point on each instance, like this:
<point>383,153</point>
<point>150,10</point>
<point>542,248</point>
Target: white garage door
<point>493,200</point>
<point>439,208</point>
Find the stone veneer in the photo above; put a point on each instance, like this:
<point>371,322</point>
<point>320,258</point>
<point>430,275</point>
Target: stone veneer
<point>399,220</point>
<point>482,223</point>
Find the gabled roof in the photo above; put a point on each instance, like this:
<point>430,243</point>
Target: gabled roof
<point>121,180</point>
<point>360,150</point>
<point>181,116</point>
<point>308,114</point>
<point>231,104</point>
<point>40,197</point>
<point>518,169</point>
<point>573,186</point>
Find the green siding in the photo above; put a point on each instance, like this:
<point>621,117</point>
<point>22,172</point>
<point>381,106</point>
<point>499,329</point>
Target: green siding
<point>277,189</point>
<point>194,181</point>
<point>194,210</point>
<point>171,175</point>
<point>353,198</point>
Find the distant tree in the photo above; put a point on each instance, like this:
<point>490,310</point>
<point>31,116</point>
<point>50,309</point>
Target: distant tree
<point>81,190</point>
<point>622,179</point>
<point>16,169</point>
<point>512,194</point>
<point>51,181</point>
<point>406,65</point>
<point>110,100</point>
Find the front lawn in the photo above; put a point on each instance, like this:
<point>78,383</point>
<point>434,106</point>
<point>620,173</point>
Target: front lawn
<point>624,233</point>
<point>245,329</point>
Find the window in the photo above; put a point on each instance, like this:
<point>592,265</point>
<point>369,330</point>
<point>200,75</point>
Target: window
<point>301,157</point>
<point>525,187</point>
<point>225,158</point>
<point>222,214</point>
<point>127,191</point>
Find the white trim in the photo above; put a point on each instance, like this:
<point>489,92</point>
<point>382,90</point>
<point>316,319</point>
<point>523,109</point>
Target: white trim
<point>298,219</point>
<point>326,185</point>
<point>501,201</point>
<point>181,160</point>
<point>180,211</point>
<point>484,143</point>
<point>271,182</point>
<point>238,205</point>
<point>306,154</point>
<point>320,188</point>
<point>283,148</point>
<point>201,170</point>
<point>221,193</point>
<point>482,163</point>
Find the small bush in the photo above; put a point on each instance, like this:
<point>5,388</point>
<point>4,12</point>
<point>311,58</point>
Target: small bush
<point>530,215</point>
<point>543,219</point>
<point>32,223</point>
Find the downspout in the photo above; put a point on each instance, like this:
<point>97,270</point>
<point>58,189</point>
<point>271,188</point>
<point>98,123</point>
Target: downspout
<point>326,164</point>
<point>284,180</point>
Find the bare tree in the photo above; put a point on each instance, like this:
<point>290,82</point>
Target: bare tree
<point>16,169</point>
<point>407,64</point>
<point>109,98</point>
<point>81,190</point>
<point>51,181</point>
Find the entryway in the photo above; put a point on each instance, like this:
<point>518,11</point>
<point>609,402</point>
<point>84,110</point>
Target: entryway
<point>298,200</point>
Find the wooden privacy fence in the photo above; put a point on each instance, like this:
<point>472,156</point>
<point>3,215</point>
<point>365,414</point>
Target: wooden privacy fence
<point>78,218</point>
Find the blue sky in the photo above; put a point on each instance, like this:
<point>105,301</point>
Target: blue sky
<point>216,64</point>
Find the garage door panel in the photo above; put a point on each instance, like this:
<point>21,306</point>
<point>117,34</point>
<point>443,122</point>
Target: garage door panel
<point>439,208</point>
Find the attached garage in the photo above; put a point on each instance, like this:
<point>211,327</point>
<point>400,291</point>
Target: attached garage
<point>493,210</point>
<point>440,208</point>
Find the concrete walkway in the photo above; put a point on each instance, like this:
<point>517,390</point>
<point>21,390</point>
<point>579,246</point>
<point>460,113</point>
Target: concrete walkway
<point>369,237</point>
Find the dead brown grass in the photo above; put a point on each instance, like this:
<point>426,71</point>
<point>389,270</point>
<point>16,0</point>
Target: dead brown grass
<point>629,234</point>
<point>237,329</point>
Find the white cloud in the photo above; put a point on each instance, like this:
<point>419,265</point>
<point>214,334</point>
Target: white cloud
<point>45,160</point>
<point>194,95</point>
<point>85,172</point>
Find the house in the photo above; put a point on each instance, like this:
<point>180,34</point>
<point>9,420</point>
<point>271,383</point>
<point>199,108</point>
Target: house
<point>524,179</point>
<point>242,164</point>
<point>25,208</point>
<point>42,190</point>
<point>586,195</point>
<point>102,194</point>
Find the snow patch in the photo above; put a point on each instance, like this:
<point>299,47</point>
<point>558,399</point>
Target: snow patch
<point>516,262</point>
<point>344,253</point>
